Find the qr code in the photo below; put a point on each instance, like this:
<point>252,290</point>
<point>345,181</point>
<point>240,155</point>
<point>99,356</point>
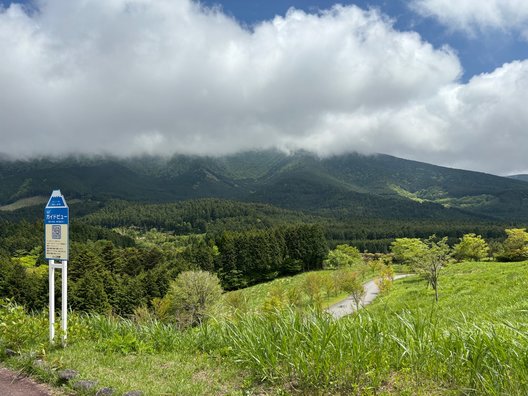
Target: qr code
<point>55,232</point>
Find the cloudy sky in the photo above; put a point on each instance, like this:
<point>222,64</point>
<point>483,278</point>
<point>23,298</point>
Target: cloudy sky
<point>432,80</point>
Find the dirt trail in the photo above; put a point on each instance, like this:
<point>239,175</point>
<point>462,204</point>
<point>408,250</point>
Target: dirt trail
<point>347,306</point>
<point>15,384</point>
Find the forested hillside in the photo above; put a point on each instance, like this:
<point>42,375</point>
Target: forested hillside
<point>352,185</point>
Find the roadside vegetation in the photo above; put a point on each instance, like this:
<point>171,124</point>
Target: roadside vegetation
<point>457,326</point>
<point>474,341</point>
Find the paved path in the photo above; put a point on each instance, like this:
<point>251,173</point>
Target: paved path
<point>348,306</point>
<point>13,384</point>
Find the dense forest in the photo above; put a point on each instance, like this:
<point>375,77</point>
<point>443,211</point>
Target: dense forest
<point>117,272</point>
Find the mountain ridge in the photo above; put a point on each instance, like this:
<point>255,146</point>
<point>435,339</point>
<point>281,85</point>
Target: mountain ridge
<point>352,184</point>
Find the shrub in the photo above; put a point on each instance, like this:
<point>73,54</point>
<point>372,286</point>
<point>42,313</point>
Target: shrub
<point>471,247</point>
<point>191,297</point>
<point>515,247</point>
<point>343,256</point>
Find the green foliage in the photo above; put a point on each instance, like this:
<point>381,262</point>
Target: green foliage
<point>28,286</point>
<point>437,257</point>
<point>515,247</point>
<point>386,278</point>
<point>191,297</point>
<point>464,299</point>
<point>313,287</point>
<point>426,258</point>
<point>361,353</point>
<point>343,256</point>
<point>286,291</point>
<point>275,300</point>
<point>408,250</point>
<point>471,247</point>
<point>237,300</point>
<point>17,332</point>
<point>124,344</point>
<point>352,284</point>
<point>246,258</point>
<point>195,216</point>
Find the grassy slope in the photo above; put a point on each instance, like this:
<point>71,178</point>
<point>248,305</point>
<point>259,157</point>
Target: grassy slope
<point>475,291</point>
<point>256,296</point>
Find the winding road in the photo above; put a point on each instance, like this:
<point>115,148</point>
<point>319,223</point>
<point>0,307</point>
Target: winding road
<point>348,306</point>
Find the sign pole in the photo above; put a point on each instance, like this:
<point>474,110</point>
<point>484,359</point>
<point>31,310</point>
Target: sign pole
<point>51,301</point>
<point>56,242</point>
<point>64,311</point>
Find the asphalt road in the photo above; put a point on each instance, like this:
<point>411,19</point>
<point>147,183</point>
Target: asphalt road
<point>348,306</point>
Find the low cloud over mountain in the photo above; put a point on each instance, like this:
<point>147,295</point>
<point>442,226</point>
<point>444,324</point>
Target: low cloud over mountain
<point>137,76</point>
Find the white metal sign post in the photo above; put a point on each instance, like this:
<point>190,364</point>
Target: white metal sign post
<point>56,222</point>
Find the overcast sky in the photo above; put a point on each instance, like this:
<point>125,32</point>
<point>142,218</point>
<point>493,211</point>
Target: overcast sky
<point>432,80</point>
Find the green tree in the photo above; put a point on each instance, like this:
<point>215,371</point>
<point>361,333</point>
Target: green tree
<point>437,256</point>
<point>343,256</point>
<point>350,283</point>
<point>386,277</point>
<point>515,247</point>
<point>471,247</point>
<point>88,294</point>
<point>426,258</point>
<point>191,297</point>
<point>408,250</point>
<point>275,299</point>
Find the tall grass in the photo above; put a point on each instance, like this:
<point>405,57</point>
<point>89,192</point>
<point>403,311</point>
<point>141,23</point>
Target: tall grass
<point>364,352</point>
<point>24,332</point>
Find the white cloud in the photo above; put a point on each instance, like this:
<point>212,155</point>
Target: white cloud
<point>137,76</point>
<point>479,125</point>
<point>473,15</point>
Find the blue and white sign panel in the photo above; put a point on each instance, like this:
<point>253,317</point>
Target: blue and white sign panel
<point>56,222</point>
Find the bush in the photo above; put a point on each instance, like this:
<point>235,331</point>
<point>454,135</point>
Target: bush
<point>343,256</point>
<point>191,297</point>
<point>515,247</point>
<point>471,247</point>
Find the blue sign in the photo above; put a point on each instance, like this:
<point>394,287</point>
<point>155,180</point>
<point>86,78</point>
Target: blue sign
<point>56,224</point>
<point>56,211</point>
<point>56,201</point>
<point>56,216</point>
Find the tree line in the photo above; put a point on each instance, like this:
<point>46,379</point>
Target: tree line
<point>213,216</point>
<point>106,277</point>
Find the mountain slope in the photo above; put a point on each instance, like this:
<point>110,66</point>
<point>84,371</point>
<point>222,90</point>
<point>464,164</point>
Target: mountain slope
<point>348,185</point>
<point>519,177</point>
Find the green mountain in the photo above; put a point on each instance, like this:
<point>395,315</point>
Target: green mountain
<point>345,186</point>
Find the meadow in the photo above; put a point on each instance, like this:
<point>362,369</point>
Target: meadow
<point>473,341</point>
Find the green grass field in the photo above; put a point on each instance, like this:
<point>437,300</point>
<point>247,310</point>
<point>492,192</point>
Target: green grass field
<point>486,291</point>
<point>474,341</point>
